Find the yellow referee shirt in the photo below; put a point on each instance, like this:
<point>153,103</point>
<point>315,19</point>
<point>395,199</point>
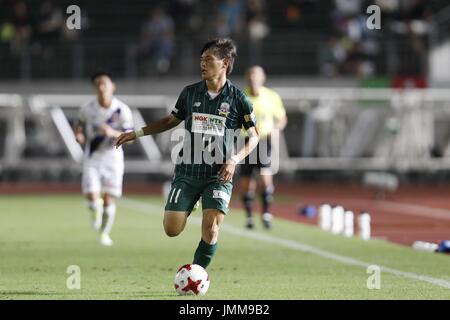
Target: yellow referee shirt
<point>268,108</point>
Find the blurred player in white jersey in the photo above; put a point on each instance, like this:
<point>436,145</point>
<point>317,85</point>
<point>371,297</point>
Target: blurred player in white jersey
<point>99,123</point>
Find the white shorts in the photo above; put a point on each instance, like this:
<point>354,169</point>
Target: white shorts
<point>98,178</point>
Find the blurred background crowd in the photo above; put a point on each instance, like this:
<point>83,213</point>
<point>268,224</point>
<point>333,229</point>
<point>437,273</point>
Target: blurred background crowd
<point>141,38</point>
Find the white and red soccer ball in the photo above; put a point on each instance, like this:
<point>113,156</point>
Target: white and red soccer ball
<point>191,279</point>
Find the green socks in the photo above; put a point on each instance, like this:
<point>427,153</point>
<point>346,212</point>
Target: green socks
<point>204,253</point>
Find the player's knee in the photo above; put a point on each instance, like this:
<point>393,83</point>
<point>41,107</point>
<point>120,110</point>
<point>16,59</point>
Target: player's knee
<point>171,230</point>
<point>270,189</point>
<point>172,233</point>
<point>91,197</point>
<point>174,223</point>
<point>267,194</point>
<point>248,197</point>
<point>94,204</point>
<point>109,200</point>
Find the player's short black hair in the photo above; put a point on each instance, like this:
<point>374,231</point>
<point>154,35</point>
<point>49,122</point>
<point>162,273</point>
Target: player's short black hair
<point>223,48</point>
<point>100,74</point>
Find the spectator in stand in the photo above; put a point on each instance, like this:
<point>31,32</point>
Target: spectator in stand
<point>223,29</point>
<point>256,20</point>
<point>293,12</point>
<point>354,49</point>
<point>232,12</point>
<point>348,8</point>
<point>185,15</point>
<point>257,28</point>
<point>50,24</point>
<point>331,56</point>
<point>23,27</point>
<point>414,23</point>
<point>157,41</point>
<point>6,25</point>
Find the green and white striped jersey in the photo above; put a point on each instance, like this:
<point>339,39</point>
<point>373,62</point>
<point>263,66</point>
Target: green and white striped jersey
<point>211,127</point>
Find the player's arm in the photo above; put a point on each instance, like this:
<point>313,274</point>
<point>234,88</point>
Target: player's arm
<point>253,140</point>
<point>126,124</point>
<point>281,123</point>
<point>178,114</point>
<point>226,172</point>
<point>279,113</point>
<point>78,130</point>
<point>107,131</point>
<point>79,126</point>
<point>249,123</point>
<point>159,126</point>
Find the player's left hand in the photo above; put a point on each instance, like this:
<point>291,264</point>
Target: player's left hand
<point>125,137</point>
<point>226,172</point>
<point>107,131</point>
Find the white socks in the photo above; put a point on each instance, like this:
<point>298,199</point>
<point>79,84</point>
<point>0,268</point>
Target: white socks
<point>109,216</point>
<point>96,208</point>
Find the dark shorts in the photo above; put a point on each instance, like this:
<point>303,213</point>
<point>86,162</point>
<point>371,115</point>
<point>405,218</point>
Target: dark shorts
<point>186,191</point>
<point>259,158</point>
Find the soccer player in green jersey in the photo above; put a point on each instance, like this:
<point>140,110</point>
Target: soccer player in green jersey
<point>213,111</point>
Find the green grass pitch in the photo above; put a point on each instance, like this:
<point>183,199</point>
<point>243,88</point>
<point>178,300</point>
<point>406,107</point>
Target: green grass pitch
<point>41,235</point>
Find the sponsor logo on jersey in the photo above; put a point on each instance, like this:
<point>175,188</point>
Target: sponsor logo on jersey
<point>208,124</point>
<point>224,109</point>
<point>197,104</point>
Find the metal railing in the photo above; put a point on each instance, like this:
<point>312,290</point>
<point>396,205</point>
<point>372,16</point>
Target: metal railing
<point>328,129</point>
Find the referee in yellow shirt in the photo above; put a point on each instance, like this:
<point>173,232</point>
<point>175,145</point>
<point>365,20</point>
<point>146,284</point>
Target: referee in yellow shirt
<point>270,115</point>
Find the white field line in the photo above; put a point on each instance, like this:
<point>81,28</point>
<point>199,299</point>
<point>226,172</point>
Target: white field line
<point>148,208</point>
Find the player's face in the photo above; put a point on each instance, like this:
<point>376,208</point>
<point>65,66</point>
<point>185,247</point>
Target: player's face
<point>256,77</point>
<point>211,66</point>
<point>104,86</point>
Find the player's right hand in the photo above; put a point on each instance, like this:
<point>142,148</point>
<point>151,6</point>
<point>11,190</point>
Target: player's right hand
<point>79,137</point>
<point>125,137</point>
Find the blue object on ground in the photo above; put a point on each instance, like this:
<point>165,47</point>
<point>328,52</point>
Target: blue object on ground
<point>308,211</point>
<point>444,246</point>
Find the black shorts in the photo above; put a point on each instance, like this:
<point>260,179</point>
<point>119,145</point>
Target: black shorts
<point>258,158</point>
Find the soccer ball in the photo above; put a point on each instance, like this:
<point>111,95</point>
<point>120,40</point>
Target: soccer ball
<point>191,279</point>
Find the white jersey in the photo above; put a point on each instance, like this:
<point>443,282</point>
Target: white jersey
<point>118,116</point>
<point>103,164</point>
